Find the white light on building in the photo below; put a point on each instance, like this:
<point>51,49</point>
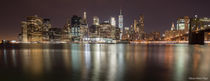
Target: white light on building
<point>120,21</point>
<point>113,21</point>
<point>95,20</point>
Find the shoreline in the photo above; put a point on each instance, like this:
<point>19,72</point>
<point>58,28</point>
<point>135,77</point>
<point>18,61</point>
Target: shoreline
<point>121,42</point>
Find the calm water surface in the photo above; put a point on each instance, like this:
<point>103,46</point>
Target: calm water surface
<point>105,62</point>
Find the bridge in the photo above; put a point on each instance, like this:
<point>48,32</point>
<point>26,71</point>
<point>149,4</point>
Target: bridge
<point>196,33</point>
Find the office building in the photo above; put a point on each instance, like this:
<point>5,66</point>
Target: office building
<point>183,23</point>
<point>113,21</point>
<point>75,27</point>
<point>32,29</point>
<point>120,23</point>
<point>95,20</point>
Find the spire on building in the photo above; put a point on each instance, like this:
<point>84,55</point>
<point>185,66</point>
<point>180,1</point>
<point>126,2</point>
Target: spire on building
<point>85,15</point>
<point>172,26</point>
<point>84,18</point>
<point>120,11</point>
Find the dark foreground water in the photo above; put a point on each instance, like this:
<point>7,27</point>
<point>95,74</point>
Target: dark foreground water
<point>105,62</point>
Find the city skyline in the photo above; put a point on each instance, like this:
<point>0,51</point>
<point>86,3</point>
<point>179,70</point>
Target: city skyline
<point>12,15</point>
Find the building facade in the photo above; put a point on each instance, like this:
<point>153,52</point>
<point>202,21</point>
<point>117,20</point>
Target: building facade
<point>37,29</point>
<point>138,29</point>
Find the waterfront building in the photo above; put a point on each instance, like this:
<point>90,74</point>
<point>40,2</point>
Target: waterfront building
<point>134,25</point>
<point>83,32</point>
<point>139,28</point>
<point>75,27</point>
<point>37,29</point>
<point>106,30</point>
<point>93,31</point>
<point>205,22</point>
<point>46,26</point>
<point>23,36</point>
<point>55,34</point>
<point>180,24</point>
<point>32,29</point>
<point>126,34</point>
<point>66,32</point>
<point>153,36</point>
<point>131,33</point>
<point>183,23</point>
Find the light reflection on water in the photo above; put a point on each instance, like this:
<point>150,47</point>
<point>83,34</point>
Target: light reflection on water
<point>104,62</point>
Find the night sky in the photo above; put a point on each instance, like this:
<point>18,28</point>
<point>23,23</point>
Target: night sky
<point>158,13</point>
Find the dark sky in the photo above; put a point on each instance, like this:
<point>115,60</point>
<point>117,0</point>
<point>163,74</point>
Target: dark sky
<point>158,13</point>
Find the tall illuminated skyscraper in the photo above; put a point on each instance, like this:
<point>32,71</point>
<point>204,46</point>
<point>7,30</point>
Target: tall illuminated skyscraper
<point>113,21</point>
<point>120,24</point>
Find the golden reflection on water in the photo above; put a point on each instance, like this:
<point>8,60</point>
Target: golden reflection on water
<point>169,54</point>
<point>33,61</point>
<point>200,60</point>
<point>66,58</point>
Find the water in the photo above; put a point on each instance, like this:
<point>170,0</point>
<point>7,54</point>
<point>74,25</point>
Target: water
<point>105,62</point>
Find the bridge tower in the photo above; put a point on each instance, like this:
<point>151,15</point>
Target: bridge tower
<point>195,35</point>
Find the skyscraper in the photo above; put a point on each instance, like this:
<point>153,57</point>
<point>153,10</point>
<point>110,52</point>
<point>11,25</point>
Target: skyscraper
<point>183,23</point>
<point>120,21</point>
<point>134,25</point>
<point>24,32</point>
<point>46,27</point>
<point>141,22</point>
<point>141,27</point>
<point>187,23</point>
<point>95,20</point>
<point>75,25</point>
<point>85,18</point>
<point>120,24</point>
<point>67,31</point>
<point>113,21</point>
